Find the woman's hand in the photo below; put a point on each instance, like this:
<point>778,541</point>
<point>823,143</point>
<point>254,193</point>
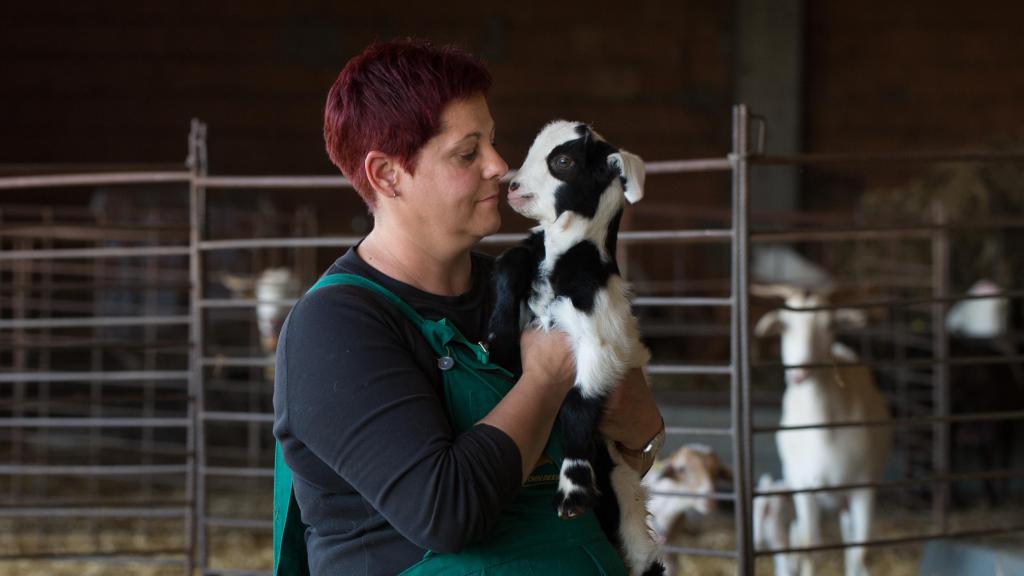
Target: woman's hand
<point>548,358</point>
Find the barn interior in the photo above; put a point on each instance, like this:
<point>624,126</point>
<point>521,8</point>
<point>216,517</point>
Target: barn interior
<point>165,195</point>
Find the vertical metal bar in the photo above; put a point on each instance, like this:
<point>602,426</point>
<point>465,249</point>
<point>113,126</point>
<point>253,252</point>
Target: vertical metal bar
<point>940,376</point>
<point>740,383</point>
<point>151,335</point>
<point>22,278</point>
<point>195,489</point>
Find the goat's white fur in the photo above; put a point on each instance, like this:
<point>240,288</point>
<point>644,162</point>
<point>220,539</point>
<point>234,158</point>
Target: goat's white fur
<point>827,457</point>
<point>774,526</point>
<point>606,342</point>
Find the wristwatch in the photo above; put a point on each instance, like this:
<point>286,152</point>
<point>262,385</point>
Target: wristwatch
<point>649,450</point>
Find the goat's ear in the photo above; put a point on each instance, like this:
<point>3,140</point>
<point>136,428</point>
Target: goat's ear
<point>850,318</point>
<point>238,284</point>
<point>844,353</point>
<point>631,170</point>
<point>770,324</point>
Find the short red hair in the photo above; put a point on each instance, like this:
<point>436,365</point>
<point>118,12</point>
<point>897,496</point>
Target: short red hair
<point>390,98</point>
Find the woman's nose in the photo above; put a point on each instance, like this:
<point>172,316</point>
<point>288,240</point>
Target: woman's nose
<point>497,166</point>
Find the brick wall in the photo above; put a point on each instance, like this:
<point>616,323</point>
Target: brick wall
<point>118,81</point>
<point>890,76</point>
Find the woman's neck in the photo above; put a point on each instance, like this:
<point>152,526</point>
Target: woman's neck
<point>441,272</point>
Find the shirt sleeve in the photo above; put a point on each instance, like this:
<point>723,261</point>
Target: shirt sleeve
<point>359,401</point>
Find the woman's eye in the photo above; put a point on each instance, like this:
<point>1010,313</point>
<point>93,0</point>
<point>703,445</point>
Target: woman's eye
<point>469,156</point>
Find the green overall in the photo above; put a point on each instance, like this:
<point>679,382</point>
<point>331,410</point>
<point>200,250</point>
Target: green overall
<point>529,538</point>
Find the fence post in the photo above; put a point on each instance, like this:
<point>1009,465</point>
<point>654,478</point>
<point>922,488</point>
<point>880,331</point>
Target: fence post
<point>740,362</point>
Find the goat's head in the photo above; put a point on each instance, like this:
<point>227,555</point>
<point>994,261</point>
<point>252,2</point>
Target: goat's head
<point>571,169</point>
<point>807,335</point>
<point>274,289</point>
<point>693,468</point>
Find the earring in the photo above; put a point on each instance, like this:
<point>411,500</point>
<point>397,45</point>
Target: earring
<point>394,194</point>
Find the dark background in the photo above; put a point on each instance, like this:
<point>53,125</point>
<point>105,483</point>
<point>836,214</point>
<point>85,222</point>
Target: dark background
<point>118,81</point>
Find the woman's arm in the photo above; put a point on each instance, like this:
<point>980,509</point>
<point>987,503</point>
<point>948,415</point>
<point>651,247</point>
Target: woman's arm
<point>631,417</point>
<point>356,404</point>
<point>528,411</point>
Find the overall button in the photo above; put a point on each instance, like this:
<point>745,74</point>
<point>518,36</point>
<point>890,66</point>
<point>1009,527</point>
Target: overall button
<point>445,362</point>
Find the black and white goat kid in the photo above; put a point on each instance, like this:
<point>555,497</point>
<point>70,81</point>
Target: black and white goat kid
<point>564,275</point>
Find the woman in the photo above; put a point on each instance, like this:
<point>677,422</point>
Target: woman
<point>410,452</point>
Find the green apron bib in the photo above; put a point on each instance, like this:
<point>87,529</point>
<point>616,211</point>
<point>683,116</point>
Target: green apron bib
<point>529,539</point>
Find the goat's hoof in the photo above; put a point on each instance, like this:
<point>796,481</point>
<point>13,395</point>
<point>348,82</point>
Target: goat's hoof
<point>573,504</point>
<point>656,569</point>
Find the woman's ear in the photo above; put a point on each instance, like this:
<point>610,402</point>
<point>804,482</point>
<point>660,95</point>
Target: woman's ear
<point>383,172</point>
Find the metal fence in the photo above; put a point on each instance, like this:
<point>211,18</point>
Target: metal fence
<point>25,265</point>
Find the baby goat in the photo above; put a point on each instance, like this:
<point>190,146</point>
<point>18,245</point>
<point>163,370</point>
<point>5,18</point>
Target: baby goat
<point>575,184</point>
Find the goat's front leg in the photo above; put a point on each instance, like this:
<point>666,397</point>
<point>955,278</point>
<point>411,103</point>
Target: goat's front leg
<point>513,274</point>
<point>855,523</point>
<point>577,484</point>
<point>808,530</point>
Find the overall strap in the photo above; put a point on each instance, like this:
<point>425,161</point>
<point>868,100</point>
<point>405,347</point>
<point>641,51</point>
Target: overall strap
<point>290,558</point>
<point>438,333</point>
<point>356,280</point>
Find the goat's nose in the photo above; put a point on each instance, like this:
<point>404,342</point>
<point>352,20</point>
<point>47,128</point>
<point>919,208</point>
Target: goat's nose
<point>513,186</point>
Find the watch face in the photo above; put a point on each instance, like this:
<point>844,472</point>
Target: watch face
<point>654,447</point>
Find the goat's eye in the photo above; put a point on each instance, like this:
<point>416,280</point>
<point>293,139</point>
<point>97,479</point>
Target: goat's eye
<point>562,162</point>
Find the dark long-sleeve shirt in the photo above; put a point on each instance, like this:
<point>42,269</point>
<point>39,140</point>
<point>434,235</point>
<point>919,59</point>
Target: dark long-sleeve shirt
<point>379,474</point>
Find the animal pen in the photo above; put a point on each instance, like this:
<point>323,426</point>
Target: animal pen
<point>136,408</point>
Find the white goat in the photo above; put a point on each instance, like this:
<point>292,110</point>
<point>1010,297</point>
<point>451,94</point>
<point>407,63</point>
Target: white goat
<point>825,395</point>
<point>692,469</point>
<point>774,525</point>
<point>275,291</point>
<point>980,317</point>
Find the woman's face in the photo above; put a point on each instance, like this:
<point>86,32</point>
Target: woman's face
<point>453,196</point>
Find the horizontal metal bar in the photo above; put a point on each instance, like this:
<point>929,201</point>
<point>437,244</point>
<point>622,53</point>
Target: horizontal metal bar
<point>628,237</point>
<point>901,422</point>
<point>680,301</point>
<point>95,422</point>
<point>902,157</point>
<point>55,470</point>
<point>891,484</point>
<point>704,495</point>
<point>236,417</point>
<point>237,472</point>
<point>244,303</point>
<point>127,557</point>
<point>50,512</point>
<point>252,243</point>
<point>901,303</point>
<point>687,369</point>
<point>95,322</point>
<point>685,166</point>
<point>923,231</point>
<point>896,541</point>
<point>239,523</point>
<point>907,363</point>
<point>238,362</point>
<point>111,376</point>
<point>697,431</point>
<point>699,551</point>
<point>100,178</point>
<point>71,253</point>
<point>250,182</point>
